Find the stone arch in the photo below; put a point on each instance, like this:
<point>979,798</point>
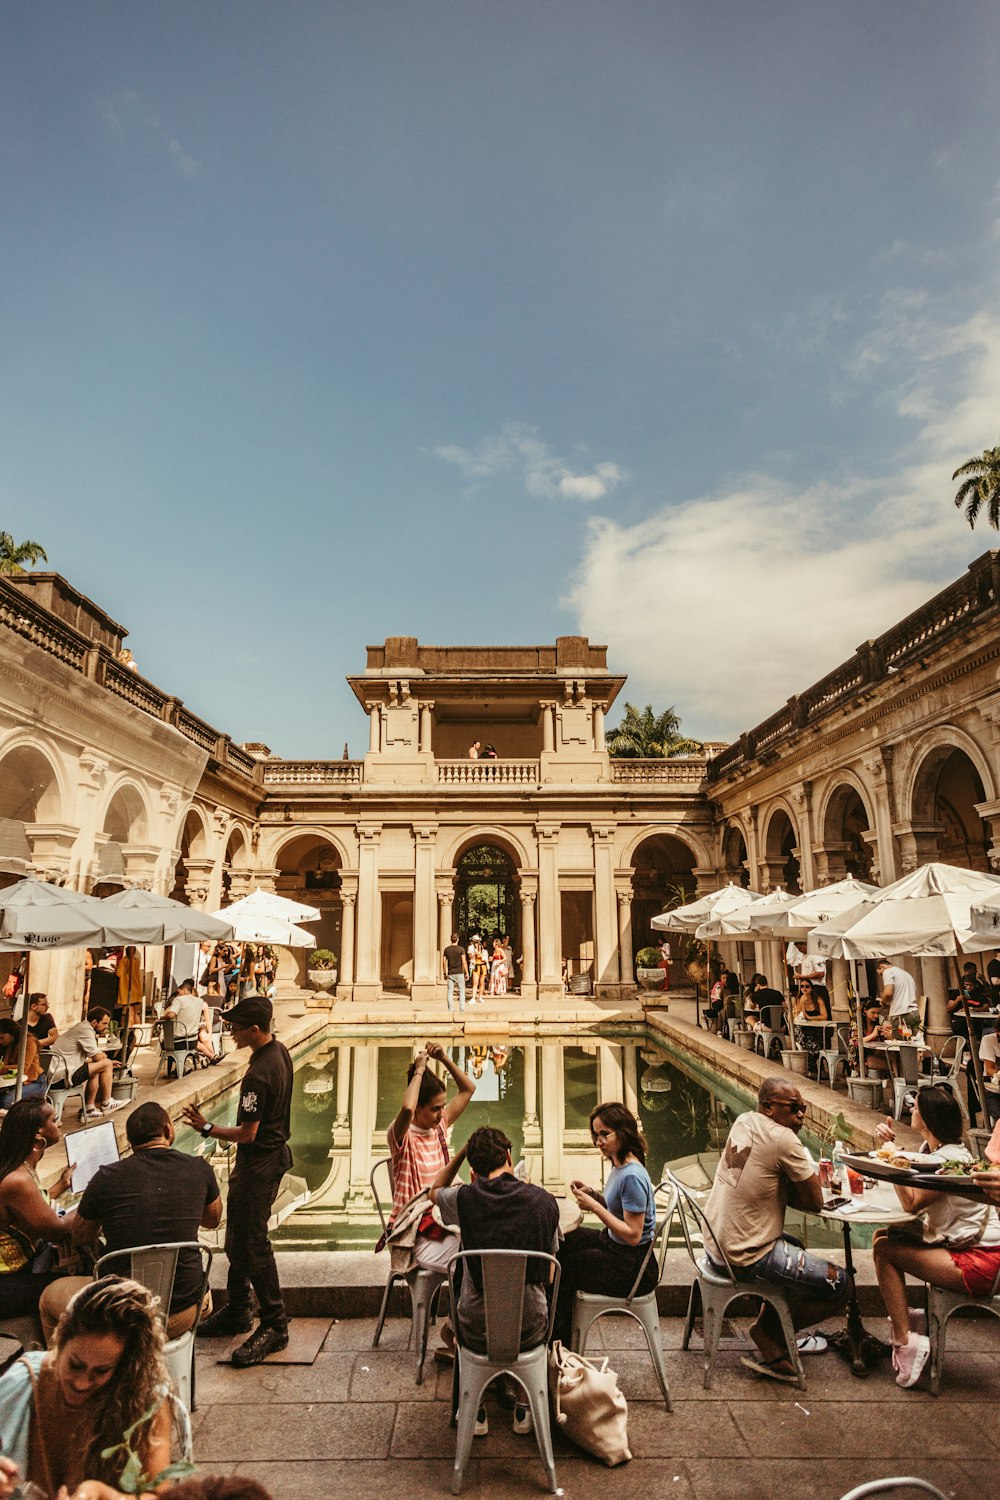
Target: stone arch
<point>126,814</point>
<point>308,865</point>
<point>780,838</point>
<point>735,855</point>
<point>662,875</point>
<point>281,842</point>
<point>844,815</point>
<point>691,844</point>
<point>192,870</point>
<point>463,839</point>
<point>31,789</point>
<point>949,776</point>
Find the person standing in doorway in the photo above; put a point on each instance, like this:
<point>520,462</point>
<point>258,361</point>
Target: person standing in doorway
<point>456,971</point>
<point>261,1132</point>
<point>665,963</point>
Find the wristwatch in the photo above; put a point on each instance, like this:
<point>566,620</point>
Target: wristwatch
<point>207,1129</point>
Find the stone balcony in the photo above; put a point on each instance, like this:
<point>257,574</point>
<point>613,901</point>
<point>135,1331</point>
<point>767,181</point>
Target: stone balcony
<point>336,775</point>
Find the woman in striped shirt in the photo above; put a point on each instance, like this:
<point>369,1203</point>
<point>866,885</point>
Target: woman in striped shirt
<point>418,1146</point>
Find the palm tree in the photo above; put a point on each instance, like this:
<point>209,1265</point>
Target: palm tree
<point>14,554</point>
<point>649,736</point>
<point>981,487</point>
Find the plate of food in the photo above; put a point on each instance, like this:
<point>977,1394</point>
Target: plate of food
<point>886,1166</point>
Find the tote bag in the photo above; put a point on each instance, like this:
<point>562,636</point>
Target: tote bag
<point>588,1406</point>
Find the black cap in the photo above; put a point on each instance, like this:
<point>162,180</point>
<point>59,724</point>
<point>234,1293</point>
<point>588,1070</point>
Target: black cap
<point>249,1013</point>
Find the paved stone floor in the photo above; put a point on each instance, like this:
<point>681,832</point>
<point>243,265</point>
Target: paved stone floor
<point>354,1424</point>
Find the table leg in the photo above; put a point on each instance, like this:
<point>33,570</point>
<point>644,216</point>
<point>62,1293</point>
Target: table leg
<point>856,1344</point>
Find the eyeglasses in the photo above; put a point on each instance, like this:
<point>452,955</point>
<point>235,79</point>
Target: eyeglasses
<point>798,1107</point>
<point>604,1135</point>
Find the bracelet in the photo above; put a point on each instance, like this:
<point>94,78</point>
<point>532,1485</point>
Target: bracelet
<point>207,1129</point>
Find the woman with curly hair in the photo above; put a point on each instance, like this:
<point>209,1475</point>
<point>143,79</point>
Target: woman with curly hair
<point>29,1224</point>
<point>65,1414</point>
<point>609,1259</point>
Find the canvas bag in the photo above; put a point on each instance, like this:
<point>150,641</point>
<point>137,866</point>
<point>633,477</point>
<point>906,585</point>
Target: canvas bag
<point>588,1406</point>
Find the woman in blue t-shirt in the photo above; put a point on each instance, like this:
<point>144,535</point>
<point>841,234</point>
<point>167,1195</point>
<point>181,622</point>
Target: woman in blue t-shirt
<point>608,1260</point>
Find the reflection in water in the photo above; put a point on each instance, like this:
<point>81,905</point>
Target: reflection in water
<point>539,1092</point>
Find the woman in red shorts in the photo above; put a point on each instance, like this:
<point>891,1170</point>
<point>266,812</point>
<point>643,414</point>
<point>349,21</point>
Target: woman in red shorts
<point>955,1244</point>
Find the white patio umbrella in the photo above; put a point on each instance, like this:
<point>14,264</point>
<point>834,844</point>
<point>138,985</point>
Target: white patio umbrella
<point>250,929</point>
<point>688,918</point>
<point>927,914</point>
<point>176,922</point>
<point>267,904</point>
<point>753,917</point>
<point>804,912</point>
<point>986,922</point>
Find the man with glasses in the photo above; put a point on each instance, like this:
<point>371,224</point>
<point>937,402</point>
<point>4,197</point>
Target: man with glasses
<point>764,1168</point>
<point>261,1132</point>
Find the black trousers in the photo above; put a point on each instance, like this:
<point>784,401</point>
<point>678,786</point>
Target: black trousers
<point>592,1261</point>
<point>253,1188</point>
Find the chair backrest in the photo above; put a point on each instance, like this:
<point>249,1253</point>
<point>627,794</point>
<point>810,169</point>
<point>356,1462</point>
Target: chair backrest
<point>664,1216</point>
<point>891,1486</point>
<point>155,1267</point>
<point>57,1072</point>
<point>385,1162</point>
<point>695,1226</point>
<point>842,1038</point>
<point>909,1062</point>
<point>772,1017</point>
<point>504,1280</point>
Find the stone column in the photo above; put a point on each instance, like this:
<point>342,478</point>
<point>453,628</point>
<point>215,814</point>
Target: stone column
<point>424,911</point>
<point>529,977</point>
<point>446,903</point>
<point>368,980</point>
<point>548,728</point>
<point>605,934</point>
<point>918,844</point>
<point>625,937</point>
<point>553,1115</point>
<point>347,900</point>
<point>610,1080</point>
<point>630,1076</point>
<point>599,740</point>
<point>426,712</point>
<point>801,799</point>
<point>549,913</point>
<point>934,984</point>
<point>342,1118</point>
<point>374,713</point>
<point>363,1115</point>
<point>839,973</point>
<point>878,779</point>
<point>532,1129</point>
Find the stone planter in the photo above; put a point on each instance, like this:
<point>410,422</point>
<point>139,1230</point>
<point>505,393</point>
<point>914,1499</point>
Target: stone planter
<point>322,979</point>
<point>649,979</point>
<point>868,1091</point>
<point>744,1037</point>
<point>795,1059</point>
<point>124,1086</point>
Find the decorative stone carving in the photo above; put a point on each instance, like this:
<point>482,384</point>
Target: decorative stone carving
<point>93,772</point>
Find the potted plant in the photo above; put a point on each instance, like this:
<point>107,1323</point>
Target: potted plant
<point>649,968</point>
<point>322,969</point>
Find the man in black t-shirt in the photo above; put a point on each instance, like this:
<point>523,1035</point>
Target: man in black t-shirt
<point>156,1196</point>
<point>261,1132</point>
<point>456,970</point>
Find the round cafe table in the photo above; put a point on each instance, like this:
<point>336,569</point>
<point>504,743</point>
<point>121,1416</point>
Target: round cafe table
<point>877,1206</point>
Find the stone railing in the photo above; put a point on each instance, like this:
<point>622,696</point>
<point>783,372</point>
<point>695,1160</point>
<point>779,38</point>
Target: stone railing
<point>488,772</point>
<point>974,596</point>
<point>19,613</point>
<point>686,770</point>
<point>331,773</point>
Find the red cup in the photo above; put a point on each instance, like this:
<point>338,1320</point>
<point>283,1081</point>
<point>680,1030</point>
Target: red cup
<point>825,1171</point>
<point>856,1182</point>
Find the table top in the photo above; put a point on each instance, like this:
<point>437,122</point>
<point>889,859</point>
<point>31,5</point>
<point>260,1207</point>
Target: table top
<point>570,1214</point>
<point>877,1205</point>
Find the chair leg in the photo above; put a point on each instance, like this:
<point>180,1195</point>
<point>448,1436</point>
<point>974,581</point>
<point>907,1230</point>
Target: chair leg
<point>470,1389</point>
<point>711,1322</point>
<point>788,1329</point>
<point>383,1310</point>
<point>537,1389</point>
<point>649,1317</point>
<point>935,1335</point>
<point>421,1323</point>
<point>584,1318</point>
<point>694,1299</point>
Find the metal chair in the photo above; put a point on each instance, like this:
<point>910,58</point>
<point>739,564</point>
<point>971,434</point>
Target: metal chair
<point>504,1278</point>
<point>60,1088</point>
<point>946,1067</point>
<point>890,1486</point>
<point>717,1288</point>
<point>177,1046</point>
<point>155,1267</point>
<point>771,1035</point>
<point>836,1056</point>
<point>940,1306</point>
<point>589,1306</point>
<point>423,1285</point>
<point>904,1065</point>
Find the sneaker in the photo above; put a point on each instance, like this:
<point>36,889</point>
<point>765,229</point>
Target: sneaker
<point>258,1346</point>
<point>482,1427</point>
<point>908,1359</point>
<point>112,1105</point>
<point>224,1323</point>
<point>523,1420</point>
<point>93,1114</point>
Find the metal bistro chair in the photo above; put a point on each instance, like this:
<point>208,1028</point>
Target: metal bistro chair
<point>940,1306</point>
<point>715,1289</point>
<point>832,1058</point>
<point>904,1065</point>
<point>424,1286</point>
<point>504,1279</point>
<point>154,1267</point>
<point>589,1306</point>
<point>61,1090</point>
<point>772,1032</point>
<point>891,1486</point>
<point>177,1046</point>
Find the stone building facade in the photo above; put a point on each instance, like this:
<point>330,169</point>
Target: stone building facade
<point>892,759</point>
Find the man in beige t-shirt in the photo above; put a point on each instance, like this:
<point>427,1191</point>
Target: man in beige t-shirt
<point>764,1168</point>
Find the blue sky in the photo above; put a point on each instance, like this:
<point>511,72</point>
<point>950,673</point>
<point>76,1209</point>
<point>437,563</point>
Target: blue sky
<point>666,323</point>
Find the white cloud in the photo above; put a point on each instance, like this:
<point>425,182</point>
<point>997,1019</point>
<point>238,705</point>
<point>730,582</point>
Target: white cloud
<point>726,605</point>
<point>126,114</point>
<point>517,448</point>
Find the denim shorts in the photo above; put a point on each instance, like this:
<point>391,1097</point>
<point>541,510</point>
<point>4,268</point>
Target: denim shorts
<point>789,1265</point>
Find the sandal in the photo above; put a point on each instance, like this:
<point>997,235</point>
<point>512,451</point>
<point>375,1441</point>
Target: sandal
<point>812,1343</point>
<point>770,1368</point>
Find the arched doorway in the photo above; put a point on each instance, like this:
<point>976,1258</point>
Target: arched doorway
<point>781,860</point>
<point>735,857</point>
<point>945,794</point>
<point>662,876</point>
<point>309,871</point>
<point>845,848</point>
<point>486,898</point>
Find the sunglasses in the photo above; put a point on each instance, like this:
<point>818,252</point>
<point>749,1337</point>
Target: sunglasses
<point>796,1108</point>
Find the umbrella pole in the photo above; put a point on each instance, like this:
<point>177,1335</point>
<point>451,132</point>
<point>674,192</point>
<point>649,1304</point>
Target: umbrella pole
<point>859,1021</point>
<point>977,1066</point>
<point>22,1045</point>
